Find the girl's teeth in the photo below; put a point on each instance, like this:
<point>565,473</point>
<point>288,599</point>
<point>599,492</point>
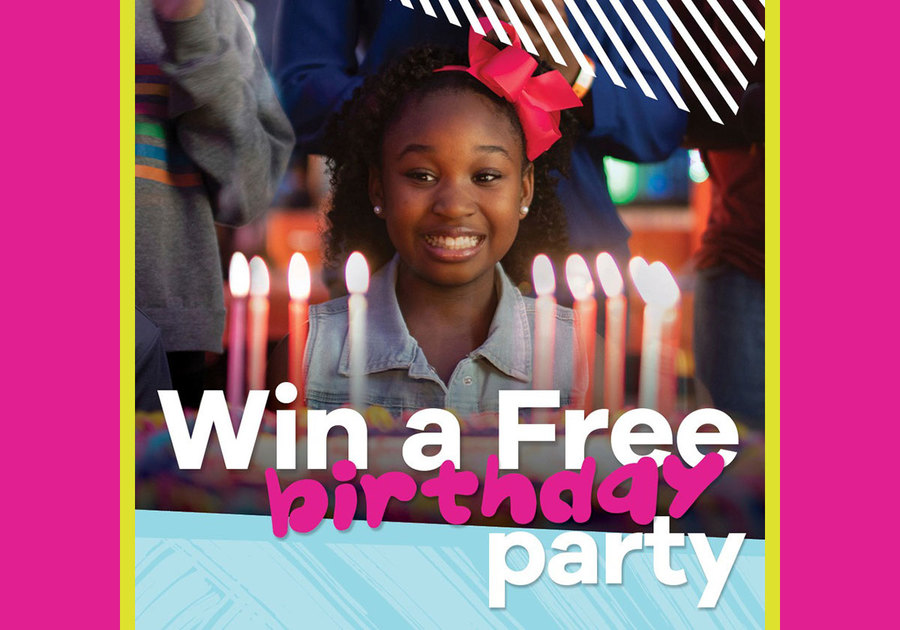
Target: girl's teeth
<point>452,242</point>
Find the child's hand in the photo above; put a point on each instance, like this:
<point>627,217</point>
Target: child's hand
<point>571,69</point>
<point>177,9</point>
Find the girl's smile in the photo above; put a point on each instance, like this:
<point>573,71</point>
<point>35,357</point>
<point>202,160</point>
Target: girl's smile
<point>452,181</point>
<point>453,244</point>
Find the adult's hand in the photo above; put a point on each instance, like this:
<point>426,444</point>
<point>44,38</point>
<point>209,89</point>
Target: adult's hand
<point>178,9</point>
<point>571,69</point>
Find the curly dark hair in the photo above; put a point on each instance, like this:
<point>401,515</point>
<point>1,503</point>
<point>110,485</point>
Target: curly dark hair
<point>354,142</point>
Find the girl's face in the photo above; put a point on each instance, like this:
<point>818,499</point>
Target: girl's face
<point>452,183</point>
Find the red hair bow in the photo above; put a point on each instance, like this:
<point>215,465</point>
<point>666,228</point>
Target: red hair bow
<point>507,72</point>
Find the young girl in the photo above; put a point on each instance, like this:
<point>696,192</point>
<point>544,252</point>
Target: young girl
<point>445,187</point>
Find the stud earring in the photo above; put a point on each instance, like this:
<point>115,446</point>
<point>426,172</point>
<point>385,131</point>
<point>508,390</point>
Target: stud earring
<point>523,212</point>
<point>378,211</point>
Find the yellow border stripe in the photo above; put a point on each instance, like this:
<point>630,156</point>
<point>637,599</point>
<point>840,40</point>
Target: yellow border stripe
<point>773,315</point>
<point>126,306</point>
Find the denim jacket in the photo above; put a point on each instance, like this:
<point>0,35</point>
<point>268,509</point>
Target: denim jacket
<point>398,376</point>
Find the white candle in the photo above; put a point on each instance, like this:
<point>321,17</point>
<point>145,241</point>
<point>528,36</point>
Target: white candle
<point>658,296</point>
<point>614,337</point>
<point>238,286</point>
<point>578,277</point>
<point>258,336</point>
<point>298,325</point>
<point>357,278</point>
<point>544,322</point>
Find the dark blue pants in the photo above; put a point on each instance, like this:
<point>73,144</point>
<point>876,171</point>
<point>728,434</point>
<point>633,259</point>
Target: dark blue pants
<point>729,342</point>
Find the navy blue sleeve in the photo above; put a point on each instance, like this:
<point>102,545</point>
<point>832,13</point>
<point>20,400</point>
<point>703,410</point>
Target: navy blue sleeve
<point>315,63</point>
<point>627,124</point>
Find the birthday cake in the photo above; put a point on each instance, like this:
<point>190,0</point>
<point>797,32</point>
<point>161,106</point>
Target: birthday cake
<point>733,503</point>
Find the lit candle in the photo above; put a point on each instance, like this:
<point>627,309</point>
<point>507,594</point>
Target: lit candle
<point>238,286</point>
<point>544,322</point>
<point>668,368</point>
<point>298,325</point>
<point>258,336</point>
<point>658,297</point>
<point>578,276</point>
<point>357,277</point>
<point>614,337</point>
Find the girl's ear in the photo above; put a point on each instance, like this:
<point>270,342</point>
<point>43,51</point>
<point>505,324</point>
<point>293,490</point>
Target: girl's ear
<point>376,190</point>
<point>527,187</point>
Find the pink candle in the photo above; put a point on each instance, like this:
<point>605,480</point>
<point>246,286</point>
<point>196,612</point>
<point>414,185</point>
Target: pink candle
<point>258,336</point>
<point>298,313</point>
<point>238,286</point>
<point>614,337</point>
<point>544,322</point>
<point>357,277</point>
<point>668,364</point>
<point>578,277</point>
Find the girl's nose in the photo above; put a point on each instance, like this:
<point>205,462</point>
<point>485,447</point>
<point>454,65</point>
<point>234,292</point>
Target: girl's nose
<point>453,201</point>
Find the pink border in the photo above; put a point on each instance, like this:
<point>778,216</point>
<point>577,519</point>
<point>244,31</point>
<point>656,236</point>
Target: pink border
<point>61,271</point>
<point>61,405</point>
<point>839,212</point>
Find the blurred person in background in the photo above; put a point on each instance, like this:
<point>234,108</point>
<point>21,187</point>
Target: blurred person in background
<point>729,297</point>
<point>211,145</point>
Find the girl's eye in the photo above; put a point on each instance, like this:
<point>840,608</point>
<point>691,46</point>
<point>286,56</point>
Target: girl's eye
<point>485,177</point>
<point>421,176</point>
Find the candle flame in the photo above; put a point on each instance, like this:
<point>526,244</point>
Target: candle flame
<point>542,273</point>
<point>578,276</point>
<point>259,277</point>
<point>637,267</point>
<point>654,283</point>
<point>298,277</point>
<point>238,275</point>
<point>670,293</point>
<point>357,273</point>
<point>609,274</point>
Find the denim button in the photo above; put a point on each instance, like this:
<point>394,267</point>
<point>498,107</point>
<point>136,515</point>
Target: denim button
<point>467,380</point>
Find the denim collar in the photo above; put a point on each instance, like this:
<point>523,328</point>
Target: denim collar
<point>390,346</point>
